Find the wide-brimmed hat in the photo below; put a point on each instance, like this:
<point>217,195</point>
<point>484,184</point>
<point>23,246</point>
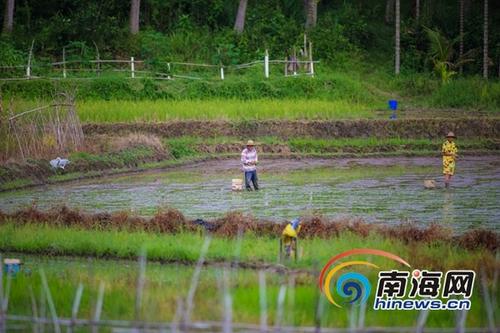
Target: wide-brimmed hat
<point>250,143</point>
<point>451,135</point>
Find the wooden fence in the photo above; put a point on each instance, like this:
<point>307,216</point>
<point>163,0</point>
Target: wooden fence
<point>159,70</point>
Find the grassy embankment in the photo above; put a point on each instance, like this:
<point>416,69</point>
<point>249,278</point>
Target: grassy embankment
<point>341,94</point>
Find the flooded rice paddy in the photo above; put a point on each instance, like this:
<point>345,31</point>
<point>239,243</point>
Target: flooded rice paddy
<point>378,190</point>
<point>165,285</point>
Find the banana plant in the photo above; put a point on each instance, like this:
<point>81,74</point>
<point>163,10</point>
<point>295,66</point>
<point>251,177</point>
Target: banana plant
<point>443,56</point>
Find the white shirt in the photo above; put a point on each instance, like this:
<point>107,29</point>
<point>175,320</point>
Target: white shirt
<point>248,156</point>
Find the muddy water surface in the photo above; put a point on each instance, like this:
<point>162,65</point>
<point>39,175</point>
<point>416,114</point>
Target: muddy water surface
<point>382,190</point>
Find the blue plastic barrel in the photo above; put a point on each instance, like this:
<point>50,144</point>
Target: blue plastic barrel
<point>12,266</point>
<point>393,104</point>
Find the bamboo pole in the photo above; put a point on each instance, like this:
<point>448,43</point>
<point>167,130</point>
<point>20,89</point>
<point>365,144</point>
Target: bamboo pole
<point>228,303</point>
<point>266,64</point>
<point>291,300</point>
<point>490,312</point>
<point>34,310</point>
<point>5,302</point>
<point>64,62</point>
<point>177,316</point>
<point>462,316</point>
<point>140,284</point>
<point>52,308</point>
<point>279,307</point>
<point>194,281</point>
<point>421,320</point>
<point>362,315</point>
<point>98,308</point>
<point>132,67</point>
<point>76,306</point>
<point>28,68</point>
<point>263,301</point>
<point>43,310</point>
<point>311,59</point>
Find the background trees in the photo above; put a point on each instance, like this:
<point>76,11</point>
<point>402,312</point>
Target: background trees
<point>344,33</point>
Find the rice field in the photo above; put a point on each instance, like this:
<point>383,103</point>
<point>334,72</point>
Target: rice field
<point>166,110</point>
<point>166,283</point>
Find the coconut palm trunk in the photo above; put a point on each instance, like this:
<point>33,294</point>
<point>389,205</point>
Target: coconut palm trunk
<point>135,7</point>
<point>397,38</point>
<point>461,47</point>
<point>8,20</point>
<point>485,41</point>
<point>311,7</point>
<point>417,10</point>
<point>239,24</point>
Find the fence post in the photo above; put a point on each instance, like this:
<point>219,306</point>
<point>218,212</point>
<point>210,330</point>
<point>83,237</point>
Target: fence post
<point>221,72</point>
<point>132,67</point>
<point>266,65</point>
<point>286,66</point>
<point>28,68</point>
<point>311,58</point>
<point>64,62</point>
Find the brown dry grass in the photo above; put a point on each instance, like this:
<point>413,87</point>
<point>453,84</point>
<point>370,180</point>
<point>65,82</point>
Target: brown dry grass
<point>173,221</point>
<point>104,143</point>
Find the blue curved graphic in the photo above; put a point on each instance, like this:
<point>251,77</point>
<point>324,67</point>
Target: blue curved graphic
<point>354,285</point>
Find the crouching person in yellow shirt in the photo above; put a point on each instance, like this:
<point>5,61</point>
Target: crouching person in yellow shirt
<point>289,237</point>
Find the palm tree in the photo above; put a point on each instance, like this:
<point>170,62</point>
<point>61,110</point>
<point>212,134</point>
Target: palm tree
<point>442,54</point>
<point>311,8</point>
<point>485,41</point>
<point>135,7</point>
<point>461,48</point>
<point>398,38</point>
<point>417,10</point>
<point>239,24</point>
<point>8,20</point>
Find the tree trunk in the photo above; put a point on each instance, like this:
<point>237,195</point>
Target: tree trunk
<point>389,11</point>
<point>239,24</point>
<point>135,6</point>
<point>311,13</point>
<point>8,19</point>
<point>417,10</point>
<point>485,40</point>
<point>461,49</point>
<point>397,38</point>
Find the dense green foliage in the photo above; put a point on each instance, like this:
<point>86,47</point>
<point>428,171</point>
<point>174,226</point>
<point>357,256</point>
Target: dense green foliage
<point>353,41</point>
<point>346,33</point>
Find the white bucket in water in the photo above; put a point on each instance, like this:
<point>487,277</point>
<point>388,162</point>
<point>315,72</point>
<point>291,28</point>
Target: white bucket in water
<point>237,184</point>
<point>429,184</point>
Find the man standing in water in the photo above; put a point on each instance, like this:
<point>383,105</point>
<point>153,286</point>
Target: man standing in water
<point>249,161</point>
<point>449,151</point>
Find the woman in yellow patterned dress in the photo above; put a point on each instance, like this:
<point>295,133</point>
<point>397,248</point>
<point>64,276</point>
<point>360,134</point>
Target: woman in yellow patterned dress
<point>449,151</point>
